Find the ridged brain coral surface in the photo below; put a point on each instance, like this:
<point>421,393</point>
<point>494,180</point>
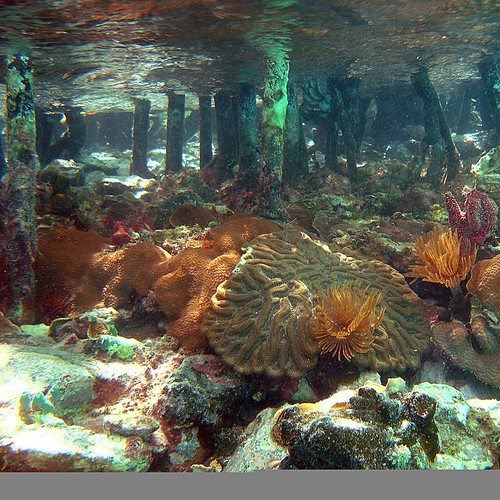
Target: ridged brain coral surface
<point>260,318</point>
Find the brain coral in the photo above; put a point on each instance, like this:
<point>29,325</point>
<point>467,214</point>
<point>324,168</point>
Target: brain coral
<point>261,318</point>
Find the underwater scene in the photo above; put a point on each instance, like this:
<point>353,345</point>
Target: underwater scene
<point>242,236</point>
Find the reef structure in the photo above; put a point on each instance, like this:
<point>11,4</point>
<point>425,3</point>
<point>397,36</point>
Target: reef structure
<point>77,271</point>
<point>262,318</point>
<point>476,347</point>
<point>431,426</point>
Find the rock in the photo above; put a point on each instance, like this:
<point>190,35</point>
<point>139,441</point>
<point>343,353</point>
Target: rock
<point>203,391</point>
<point>468,145</point>
<point>165,206</point>
<point>362,379</point>
<point>452,405</point>
<point>399,151</point>
<point>71,448</point>
<point>61,410</point>
<point>491,406</point>
<point>257,449</point>
<point>6,326</point>
<point>304,392</point>
<point>461,430</point>
<point>61,377</point>
<point>488,163</point>
<point>131,425</point>
<point>430,427</point>
<point>438,371</point>
<point>121,184</point>
<point>100,320</point>
<point>34,330</point>
<point>102,162</point>
<point>350,430</point>
<point>61,175</point>
<point>395,386</point>
<point>90,324</point>
<point>44,391</point>
<point>119,347</point>
<point>390,240</point>
<point>187,449</point>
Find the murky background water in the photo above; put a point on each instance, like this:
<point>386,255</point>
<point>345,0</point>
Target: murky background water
<point>99,54</point>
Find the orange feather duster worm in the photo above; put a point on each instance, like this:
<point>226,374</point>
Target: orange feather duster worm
<point>345,319</point>
<point>444,258</point>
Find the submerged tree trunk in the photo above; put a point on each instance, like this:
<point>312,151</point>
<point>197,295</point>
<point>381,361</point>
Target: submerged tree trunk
<point>464,112</point>
<point>140,138</point>
<point>490,75</point>
<point>205,104</point>
<point>295,165</point>
<point>68,145</point>
<point>346,124</point>
<point>227,135</point>
<point>20,185</point>
<point>444,160</point>
<point>273,124</point>
<point>248,139</point>
<point>331,128</point>
<point>3,161</point>
<point>175,133</point>
<point>350,88</point>
<point>44,134</point>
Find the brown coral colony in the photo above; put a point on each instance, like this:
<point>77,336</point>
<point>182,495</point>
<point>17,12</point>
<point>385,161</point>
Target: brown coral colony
<point>275,314</point>
<point>180,286</point>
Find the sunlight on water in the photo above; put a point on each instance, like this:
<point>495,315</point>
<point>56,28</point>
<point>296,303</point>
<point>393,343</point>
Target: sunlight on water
<point>101,54</point>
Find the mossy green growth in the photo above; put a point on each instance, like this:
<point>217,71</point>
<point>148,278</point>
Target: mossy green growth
<point>275,93</point>
<point>30,408</point>
<point>39,330</point>
<point>21,129</point>
<point>273,122</point>
<point>304,392</point>
<point>24,408</point>
<point>50,420</point>
<point>119,347</point>
<point>41,404</point>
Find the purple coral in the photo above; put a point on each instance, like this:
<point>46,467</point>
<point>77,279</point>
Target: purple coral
<point>476,220</point>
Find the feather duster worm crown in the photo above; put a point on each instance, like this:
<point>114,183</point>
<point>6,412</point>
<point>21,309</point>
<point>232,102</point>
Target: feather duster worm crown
<point>345,319</point>
<point>444,258</point>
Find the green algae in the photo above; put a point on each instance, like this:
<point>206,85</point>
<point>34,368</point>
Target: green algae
<point>119,347</point>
